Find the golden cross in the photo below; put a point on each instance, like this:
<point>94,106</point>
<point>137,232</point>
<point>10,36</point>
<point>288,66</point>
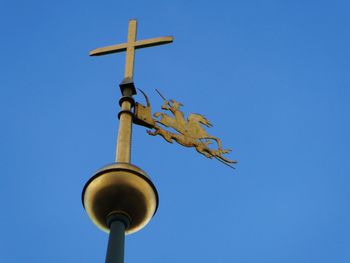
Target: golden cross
<point>130,47</point>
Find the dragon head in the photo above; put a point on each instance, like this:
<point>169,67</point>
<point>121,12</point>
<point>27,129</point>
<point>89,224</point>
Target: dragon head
<point>176,105</point>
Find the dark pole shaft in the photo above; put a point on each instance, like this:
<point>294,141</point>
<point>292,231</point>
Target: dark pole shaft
<point>115,250</point>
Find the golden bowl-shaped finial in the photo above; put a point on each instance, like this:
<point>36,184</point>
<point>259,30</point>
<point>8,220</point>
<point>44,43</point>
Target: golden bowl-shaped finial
<point>120,188</point>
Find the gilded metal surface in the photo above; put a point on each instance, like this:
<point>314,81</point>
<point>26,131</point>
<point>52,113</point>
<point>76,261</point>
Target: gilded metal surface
<point>120,188</point>
<point>190,131</point>
<point>130,47</point>
<point>123,147</point>
<point>143,114</point>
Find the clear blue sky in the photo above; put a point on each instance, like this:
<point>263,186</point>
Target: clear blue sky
<point>273,78</point>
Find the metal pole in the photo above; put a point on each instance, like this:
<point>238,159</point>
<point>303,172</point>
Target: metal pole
<point>117,225</point>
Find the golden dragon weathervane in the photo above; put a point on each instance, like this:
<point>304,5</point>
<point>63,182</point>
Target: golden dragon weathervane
<point>191,132</point>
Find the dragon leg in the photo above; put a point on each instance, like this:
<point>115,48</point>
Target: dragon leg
<point>225,159</point>
<point>166,135</point>
<point>217,140</point>
<point>203,149</point>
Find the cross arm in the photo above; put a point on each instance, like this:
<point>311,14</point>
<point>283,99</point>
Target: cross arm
<point>138,44</point>
<point>108,50</point>
<point>153,42</point>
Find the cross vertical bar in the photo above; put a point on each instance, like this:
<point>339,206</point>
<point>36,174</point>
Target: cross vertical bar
<point>130,49</point>
<point>123,148</point>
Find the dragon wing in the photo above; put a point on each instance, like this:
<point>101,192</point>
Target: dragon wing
<point>199,118</point>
